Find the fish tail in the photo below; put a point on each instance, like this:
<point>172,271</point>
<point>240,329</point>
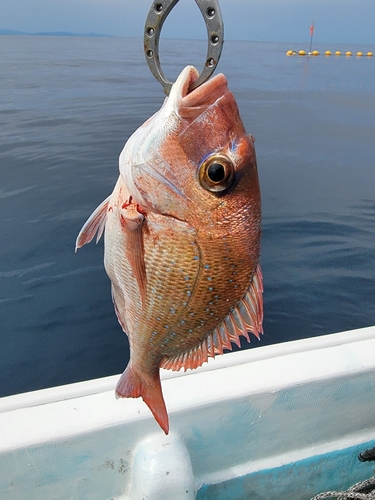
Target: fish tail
<point>134,385</point>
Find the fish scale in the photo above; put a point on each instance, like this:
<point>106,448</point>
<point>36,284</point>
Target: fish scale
<point>181,247</point>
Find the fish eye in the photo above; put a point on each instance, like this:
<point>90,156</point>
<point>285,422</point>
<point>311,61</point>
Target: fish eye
<point>216,173</point>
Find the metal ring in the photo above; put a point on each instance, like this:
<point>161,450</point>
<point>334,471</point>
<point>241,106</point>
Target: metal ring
<point>215,30</point>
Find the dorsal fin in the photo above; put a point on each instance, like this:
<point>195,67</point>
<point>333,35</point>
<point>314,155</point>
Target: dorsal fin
<point>94,224</point>
<point>246,317</point>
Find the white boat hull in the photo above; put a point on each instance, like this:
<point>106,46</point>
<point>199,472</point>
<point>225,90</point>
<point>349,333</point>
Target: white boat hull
<point>285,421</point>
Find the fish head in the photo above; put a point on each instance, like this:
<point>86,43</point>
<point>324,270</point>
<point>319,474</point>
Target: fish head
<point>193,160</point>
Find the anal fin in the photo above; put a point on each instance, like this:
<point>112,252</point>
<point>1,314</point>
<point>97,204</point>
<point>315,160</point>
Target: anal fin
<point>246,317</point>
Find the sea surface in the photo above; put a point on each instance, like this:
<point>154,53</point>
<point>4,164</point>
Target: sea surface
<point>68,105</point>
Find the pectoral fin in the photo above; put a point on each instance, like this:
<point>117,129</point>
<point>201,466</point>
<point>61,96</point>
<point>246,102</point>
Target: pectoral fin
<point>132,224</point>
<point>94,224</point>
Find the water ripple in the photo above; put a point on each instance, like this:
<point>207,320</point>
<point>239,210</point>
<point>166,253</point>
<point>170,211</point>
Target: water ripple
<point>50,278</point>
<point>8,194</point>
<point>19,273</point>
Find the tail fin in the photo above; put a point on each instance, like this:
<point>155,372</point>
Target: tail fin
<point>134,385</point>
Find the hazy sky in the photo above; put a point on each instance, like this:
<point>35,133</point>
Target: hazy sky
<point>350,21</point>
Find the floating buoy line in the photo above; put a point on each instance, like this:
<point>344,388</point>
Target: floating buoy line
<point>327,53</point>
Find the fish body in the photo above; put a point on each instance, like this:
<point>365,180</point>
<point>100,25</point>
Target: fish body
<point>182,237</point>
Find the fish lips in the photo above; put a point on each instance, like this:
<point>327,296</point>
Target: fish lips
<point>190,105</point>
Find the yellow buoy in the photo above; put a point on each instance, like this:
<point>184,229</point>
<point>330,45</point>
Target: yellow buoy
<point>289,53</point>
<point>337,53</point>
<point>348,53</point>
<point>370,54</point>
<point>315,53</point>
<point>302,53</point>
<point>327,52</point>
<point>359,54</point>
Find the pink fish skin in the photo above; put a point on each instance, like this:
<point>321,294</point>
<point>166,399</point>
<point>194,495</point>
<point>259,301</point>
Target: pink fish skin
<point>182,237</point>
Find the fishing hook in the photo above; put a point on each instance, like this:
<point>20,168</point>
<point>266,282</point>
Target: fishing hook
<point>215,30</point>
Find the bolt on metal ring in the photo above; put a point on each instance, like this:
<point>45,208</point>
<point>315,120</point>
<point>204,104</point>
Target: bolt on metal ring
<point>158,13</point>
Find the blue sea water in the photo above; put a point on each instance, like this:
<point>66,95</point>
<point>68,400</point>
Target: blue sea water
<point>68,104</point>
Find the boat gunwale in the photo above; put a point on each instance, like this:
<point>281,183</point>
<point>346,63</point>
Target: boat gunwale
<point>105,384</point>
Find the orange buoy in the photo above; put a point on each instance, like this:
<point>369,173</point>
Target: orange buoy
<point>327,53</point>
<point>337,53</point>
<point>348,53</point>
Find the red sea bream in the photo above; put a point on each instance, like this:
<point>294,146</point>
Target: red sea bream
<point>182,237</point>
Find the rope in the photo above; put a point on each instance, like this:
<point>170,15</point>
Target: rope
<point>364,490</point>
<point>367,455</point>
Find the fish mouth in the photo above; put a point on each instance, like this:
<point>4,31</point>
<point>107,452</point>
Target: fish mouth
<point>190,105</point>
